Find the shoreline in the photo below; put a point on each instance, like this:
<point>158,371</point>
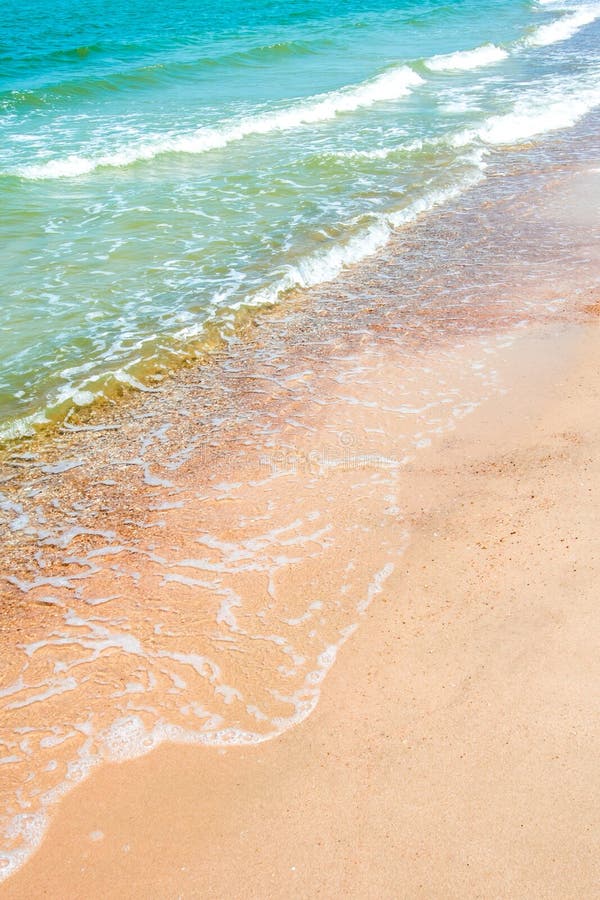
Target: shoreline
<point>453,748</point>
<point>236,326</point>
<point>300,452</point>
<point>330,449</point>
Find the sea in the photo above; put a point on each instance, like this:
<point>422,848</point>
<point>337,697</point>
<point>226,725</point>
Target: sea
<point>166,167</point>
<point>256,258</point>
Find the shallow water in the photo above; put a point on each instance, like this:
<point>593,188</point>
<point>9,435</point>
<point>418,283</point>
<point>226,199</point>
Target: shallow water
<point>163,168</point>
<point>184,566</point>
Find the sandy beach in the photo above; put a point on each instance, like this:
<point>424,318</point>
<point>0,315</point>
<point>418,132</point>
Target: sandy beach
<point>454,749</point>
<point>354,562</point>
<point>300,450</point>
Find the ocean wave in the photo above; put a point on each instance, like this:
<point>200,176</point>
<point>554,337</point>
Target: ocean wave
<point>223,319</point>
<point>324,266</point>
<point>444,195</point>
<point>148,70</point>
<point>564,28</point>
<point>58,55</point>
<point>100,78</point>
<point>275,52</point>
<point>408,147</point>
<point>464,60</point>
<point>559,107</point>
<point>391,85</point>
<point>120,49</point>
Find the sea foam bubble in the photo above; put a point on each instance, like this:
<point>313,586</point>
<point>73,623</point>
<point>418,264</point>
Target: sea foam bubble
<point>463,60</point>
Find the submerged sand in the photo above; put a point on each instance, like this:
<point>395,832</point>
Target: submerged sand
<point>396,579</point>
<point>454,749</point>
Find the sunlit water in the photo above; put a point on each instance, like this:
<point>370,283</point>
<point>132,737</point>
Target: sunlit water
<point>162,167</point>
<point>186,567</point>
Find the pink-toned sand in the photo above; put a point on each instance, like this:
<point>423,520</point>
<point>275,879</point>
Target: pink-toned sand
<point>454,751</point>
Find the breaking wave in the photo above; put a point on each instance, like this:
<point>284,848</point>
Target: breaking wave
<point>391,85</point>
<point>564,28</point>
<point>560,106</point>
<point>464,60</point>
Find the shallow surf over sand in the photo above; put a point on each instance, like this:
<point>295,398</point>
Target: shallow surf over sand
<point>184,567</point>
<point>157,188</point>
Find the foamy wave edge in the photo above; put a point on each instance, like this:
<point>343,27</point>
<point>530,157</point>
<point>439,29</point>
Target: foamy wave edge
<point>391,85</point>
<point>314,269</point>
<point>563,28</point>
<point>539,113</point>
<point>323,267</point>
<point>464,60</point>
<point>128,738</point>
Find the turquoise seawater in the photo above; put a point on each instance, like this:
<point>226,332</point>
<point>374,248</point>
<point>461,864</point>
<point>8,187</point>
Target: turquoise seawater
<point>164,166</point>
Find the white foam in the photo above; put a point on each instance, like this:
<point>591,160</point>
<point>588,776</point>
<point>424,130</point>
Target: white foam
<point>538,115</point>
<point>129,736</point>
<point>314,269</point>
<point>24,427</point>
<point>526,122</point>
<point>439,197</point>
<point>463,60</point>
<point>375,587</point>
<point>325,266</point>
<point>564,28</point>
<point>68,684</point>
<point>385,152</point>
<point>390,85</point>
<point>30,828</point>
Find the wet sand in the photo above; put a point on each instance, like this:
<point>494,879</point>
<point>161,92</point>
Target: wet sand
<point>454,749</point>
<point>357,566</point>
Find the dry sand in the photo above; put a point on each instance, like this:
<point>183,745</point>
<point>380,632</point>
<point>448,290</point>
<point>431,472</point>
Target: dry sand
<point>454,751</point>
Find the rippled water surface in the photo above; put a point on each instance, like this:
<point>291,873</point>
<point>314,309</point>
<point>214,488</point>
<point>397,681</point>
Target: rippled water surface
<point>187,564</point>
<point>163,167</point>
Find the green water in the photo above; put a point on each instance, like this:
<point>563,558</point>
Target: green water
<point>163,167</point>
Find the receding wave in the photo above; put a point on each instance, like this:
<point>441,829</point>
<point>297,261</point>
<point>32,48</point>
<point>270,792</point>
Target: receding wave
<point>390,85</point>
<point>564,28</point>
<point>314,268</point>
<point>557,108</point>
<point>463,60</point>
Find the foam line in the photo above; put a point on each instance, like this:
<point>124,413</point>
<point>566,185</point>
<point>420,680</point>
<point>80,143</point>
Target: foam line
<point>464,60</point>
<point>564,28</point>
<point>390,85</point>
